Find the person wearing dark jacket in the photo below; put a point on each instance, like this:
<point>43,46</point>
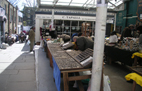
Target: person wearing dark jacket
<point>126,33</point>
<point>83,43</point>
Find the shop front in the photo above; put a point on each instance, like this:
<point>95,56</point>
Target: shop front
<point>67,23</point>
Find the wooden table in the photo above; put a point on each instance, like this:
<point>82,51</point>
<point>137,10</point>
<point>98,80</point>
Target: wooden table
<point>66,65</point>
<point>122,55</point>
<point>138,70</point>
<point>135,56</point>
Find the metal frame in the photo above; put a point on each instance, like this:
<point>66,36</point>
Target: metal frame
<point>82,8</point>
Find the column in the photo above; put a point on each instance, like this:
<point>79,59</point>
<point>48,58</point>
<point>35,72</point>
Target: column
<point>100,28</point>
<point>37,31</point>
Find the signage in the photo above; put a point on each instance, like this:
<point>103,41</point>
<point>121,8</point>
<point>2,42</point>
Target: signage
<point>139,10</point>
<point>66,17</point>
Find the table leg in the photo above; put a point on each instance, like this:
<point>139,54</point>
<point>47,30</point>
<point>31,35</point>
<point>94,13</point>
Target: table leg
<point>135,61</point>
<point>66,82</point>
<point>134,86</point>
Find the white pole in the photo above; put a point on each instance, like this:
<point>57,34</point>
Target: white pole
<point>115,22</point>
<point>100,28</point>
<point>52,21</point>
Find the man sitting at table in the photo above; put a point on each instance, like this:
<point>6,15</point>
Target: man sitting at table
<point>83,43</point>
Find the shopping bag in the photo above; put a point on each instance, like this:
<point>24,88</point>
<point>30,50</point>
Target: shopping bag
<point>28,42</point>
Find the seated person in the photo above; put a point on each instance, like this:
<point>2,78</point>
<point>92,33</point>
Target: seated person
<point>83,43</point>
<point>65,37</point>
<point>75,34</point>
<point>113,38</point>
<point>22,36</point>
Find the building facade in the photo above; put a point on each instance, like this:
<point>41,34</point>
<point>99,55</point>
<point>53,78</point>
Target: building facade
<point>29,16</point>
<point>11,16</point>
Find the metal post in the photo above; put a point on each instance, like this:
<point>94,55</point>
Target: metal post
<point>52,20</point>
<point>3,31</point>
<point>115,22</point>
<point>100,28</point>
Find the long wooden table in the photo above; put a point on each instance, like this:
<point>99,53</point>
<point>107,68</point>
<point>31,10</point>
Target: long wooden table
<point>66,64</point>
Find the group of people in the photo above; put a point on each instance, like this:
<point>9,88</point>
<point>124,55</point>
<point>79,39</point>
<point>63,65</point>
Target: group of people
<point>130,31</point>
<point>10,39</point>
<point>80,42</point>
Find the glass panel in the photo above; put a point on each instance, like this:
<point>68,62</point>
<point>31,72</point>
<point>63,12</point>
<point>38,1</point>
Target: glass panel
<point>65,4</point>
<point>66,29</point>
<point>67,23</point>
<point>76,4</point>
<point>64,1</point>
<point>74,23</point>
<point>50,3</point>
<point>78,1</point>
<point>58,22</point>
<point>47,0</point>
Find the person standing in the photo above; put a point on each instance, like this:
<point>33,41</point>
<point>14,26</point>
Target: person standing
<point>31,38</point>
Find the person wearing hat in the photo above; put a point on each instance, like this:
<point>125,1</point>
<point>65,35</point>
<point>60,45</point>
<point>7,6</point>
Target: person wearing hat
<point>126,33</point>
<point>133,31</point>
<point>31,38</point>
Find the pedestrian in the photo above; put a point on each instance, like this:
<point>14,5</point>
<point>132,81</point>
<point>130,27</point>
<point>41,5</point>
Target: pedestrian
<point>31,38</point>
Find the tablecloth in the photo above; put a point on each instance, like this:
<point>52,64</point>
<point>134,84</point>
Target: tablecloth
<point>133,76</point>
<point>56,74</point>
<point>121,55</point>
<point>137,54</point>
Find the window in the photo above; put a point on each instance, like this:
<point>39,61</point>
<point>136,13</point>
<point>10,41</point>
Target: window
<point>29,22</point>
<point>28,16</point>
<point>28,11</point>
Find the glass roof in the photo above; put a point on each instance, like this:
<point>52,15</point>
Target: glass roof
<point>80,3</point>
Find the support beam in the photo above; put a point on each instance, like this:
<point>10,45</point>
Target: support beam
<point>70,2</point>
<point>85,3</point>
<point>100,27</point>
<point>72,8</point>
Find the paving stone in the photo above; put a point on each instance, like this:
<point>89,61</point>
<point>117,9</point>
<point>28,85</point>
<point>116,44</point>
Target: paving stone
<point>29,66</point>
<point>23,75</point>
<point>6,66</point>
<point>21,86</point>
<point>9,72</point>
<point>3,82</point>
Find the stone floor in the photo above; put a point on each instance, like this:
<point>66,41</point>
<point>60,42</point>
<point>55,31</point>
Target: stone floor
<point>17,69</point>
<point>117,73</point>
<point>17,72</point>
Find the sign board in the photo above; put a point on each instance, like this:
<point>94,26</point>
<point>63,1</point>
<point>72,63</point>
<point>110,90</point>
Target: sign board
<point>67,17</point>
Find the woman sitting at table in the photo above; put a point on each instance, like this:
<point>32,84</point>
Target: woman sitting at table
<point>113,38</point>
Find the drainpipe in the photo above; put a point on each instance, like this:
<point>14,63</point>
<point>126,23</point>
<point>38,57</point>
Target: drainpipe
<point>100,28</point>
